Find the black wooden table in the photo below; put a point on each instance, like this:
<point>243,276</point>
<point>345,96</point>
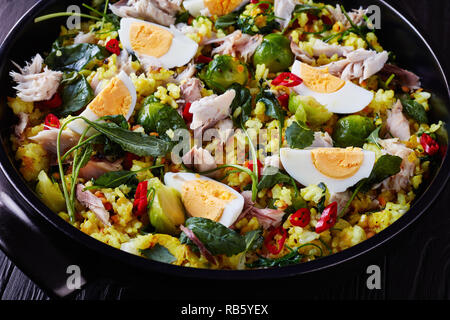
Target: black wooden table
<point>415,266</point>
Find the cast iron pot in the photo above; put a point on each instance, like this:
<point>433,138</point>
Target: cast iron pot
<point>44,246</point>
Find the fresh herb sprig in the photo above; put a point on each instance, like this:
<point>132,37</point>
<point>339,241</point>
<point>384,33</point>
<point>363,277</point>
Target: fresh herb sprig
<point>293,257</point>
<point>356,29</point>
<point>134,142</point>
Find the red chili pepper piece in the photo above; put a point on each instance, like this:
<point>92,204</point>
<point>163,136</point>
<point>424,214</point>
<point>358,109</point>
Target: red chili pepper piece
<point>263,6</point>
<point>275,246</point>
<point>187,115</point>
<point>312,17</point>
<point>113,46</point>
<point>301,218</point>
<point>53,103</point>
<point>128,160</point>
<point>260,167</point>
<point>287,79</point>
<point>327,20</point>
<point>430,146</point>
<point>284,100</point>
<point>51,121</point>
<point>203,59</point>
<point>140,199</point>
<point>328,218</point>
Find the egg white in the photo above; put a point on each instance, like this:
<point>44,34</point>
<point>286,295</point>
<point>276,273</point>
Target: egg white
<point>349,99</point>
<point>181,51</point>
<point>196,7</point>
<point>299,165</point>
<point>79,125</point>
<point>232,209</point>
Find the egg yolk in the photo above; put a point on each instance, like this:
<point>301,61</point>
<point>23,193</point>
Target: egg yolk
<point>221,7</point>
<point>150,40</point>
<point>205,198</point>
<point>337,163</point>
<point>320,80</point>
<point>114,99</point>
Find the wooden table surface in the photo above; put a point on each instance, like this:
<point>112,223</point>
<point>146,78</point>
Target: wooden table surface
<point>416,266</point>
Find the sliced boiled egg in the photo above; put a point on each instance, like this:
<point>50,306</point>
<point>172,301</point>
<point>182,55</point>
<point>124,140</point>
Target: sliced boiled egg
<point>214,7</point>
<point>337,95</point>
<point>117,98</point>
<point>338,168</point>
<point>162,46</point>
<point>206,198</point>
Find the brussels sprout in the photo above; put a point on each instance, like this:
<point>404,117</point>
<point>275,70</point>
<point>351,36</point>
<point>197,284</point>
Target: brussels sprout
<point>50,193</point>
<point>224,71</point>
<point>352,131</point>
<point>166,212</point>
<point>274,52</point>
<point>307,109</point>
<point>157,117</point>
<point>145,116</point>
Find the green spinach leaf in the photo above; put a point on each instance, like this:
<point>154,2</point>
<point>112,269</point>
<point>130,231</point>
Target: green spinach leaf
<point>242,100</point>
<point>253,240</point>
<point>269,180</point>
<point>76,93</point>
<point>117,119</point>
<point>299,137</point>
<point>415,110</point>
<point>385,167</point>
<point>227,20</point>
<point>75,57</point>
<point>374,136</point>
<point>134,142</point>
<point>115,179</point>
<point>217,238</point>
<point>293,257</point>
<point>158,253</point>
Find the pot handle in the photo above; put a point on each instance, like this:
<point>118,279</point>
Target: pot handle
<point>35,251</point>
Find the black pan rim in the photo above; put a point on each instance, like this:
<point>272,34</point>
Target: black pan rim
<point>418,209</point>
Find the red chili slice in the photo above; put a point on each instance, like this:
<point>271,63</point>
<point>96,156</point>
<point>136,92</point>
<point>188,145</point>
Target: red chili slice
<point>287,79</point>
<point>430,146</point>
<point>312,17</point>
<point>53,103</point>
<point>328,218</point>
<point>275,246</point>
<point>187,115</point>
<point>113,46</point>
<point>51,121</point>
<point>327,20</point>
<point>260,167</point>
<point>284,100</point>
<point>140,199</point>
<point>128,160</point>
<point>301,218</point>
<point>203,59</point>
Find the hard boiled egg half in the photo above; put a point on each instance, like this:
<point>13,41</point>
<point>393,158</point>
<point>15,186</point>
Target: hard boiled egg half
<point>215,7</point>
<point>161,46</point>
<point>337,95</point>
<point>338,168</point>
<point>206,198</point>
<point>117,98</point>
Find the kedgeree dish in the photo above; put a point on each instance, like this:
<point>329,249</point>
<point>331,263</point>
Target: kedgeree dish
<point>223,134</point>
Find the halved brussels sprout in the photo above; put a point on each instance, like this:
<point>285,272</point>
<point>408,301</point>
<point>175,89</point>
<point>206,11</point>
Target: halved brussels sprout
<point>167,211</point>
<point>307,109</point>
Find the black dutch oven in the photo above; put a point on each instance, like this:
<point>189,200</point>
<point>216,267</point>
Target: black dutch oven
<point>43,245</point>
